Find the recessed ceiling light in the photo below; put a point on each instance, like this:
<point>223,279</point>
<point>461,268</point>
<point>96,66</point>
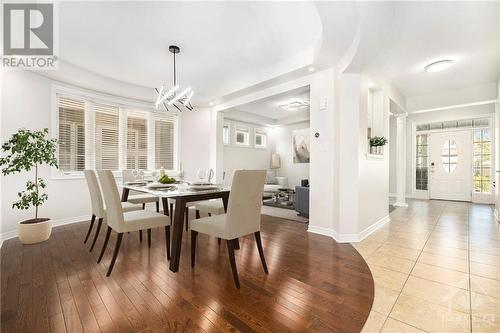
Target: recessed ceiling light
<point>311,69</point>
<point>438,66</point>
<point>295,105</point>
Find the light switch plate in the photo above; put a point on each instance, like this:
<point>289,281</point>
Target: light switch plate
<point>323,103</point>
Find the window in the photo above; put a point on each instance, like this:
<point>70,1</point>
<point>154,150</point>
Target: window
<point>137,142</point>
<point>260,139</point>
<point>164,142</point>
<point>482,160</point>
<point>242,136</point>
<point>421,163</point>
<point>71,116</point>
<point>225,134</point>
<point>449,156</point>
<point>106,137</point>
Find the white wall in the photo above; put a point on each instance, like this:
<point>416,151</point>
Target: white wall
<point>245,157</point>
<point>392,155</point>
<point>26,102</point>
<point>195,140</point>
<point>442,115</point>
<point>282,139</point>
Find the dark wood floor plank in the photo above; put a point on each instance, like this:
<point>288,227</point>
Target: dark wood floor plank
<point>314,285</point>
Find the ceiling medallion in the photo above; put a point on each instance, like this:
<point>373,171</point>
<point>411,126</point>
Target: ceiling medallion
<point>170,99</point>
<point>295,105</point>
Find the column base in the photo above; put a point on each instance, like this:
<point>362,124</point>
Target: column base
<point>400,204</point>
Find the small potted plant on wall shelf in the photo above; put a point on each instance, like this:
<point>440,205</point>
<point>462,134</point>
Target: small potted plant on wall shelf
<point>26,151</point>
<point>376,144</point>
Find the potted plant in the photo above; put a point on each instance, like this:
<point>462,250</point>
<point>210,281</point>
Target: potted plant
<point>24,151</point>
<point>376,144</point>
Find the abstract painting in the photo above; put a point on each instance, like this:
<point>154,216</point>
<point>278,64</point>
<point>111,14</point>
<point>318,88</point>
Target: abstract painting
<point>301,145</point>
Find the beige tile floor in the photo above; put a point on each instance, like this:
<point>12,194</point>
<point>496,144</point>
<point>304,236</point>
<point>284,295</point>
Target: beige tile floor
<point>436,268</point>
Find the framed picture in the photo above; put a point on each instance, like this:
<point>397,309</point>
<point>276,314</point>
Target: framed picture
<point>301,145</point>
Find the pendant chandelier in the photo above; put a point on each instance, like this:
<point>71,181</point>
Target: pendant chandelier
<point>172,99</point>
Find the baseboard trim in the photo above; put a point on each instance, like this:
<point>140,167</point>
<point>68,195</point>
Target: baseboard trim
<point>349,238</point>
<point>55,223</point>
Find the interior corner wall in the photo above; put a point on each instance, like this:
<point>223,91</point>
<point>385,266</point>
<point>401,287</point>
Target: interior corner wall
<point>392,155</point>
<point>373,178</point>
<point>196,129</point>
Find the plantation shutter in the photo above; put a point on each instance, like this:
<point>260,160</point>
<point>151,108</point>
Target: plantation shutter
<point>71,116</point>
<point>164,142</point>
<point>137,142</point>
<point>106,137</point>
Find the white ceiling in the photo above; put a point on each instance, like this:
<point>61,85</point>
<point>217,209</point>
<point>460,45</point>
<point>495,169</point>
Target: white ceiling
<point>424,32</point>
<point>227,47</point>
<point>269,107</point>
<point>224,46</point>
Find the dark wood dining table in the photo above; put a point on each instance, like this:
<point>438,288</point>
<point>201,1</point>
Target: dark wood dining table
<point>182,194</point>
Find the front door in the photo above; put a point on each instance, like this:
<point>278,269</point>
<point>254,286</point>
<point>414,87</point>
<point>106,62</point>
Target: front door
<point>451,165</point>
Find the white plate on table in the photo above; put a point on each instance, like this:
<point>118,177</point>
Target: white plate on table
<point>203,187</point>
<point>137,182</point>
<point>160,185</point>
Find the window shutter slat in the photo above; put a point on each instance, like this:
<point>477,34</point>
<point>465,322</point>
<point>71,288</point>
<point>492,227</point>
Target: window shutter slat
<point>137,142</point>
<point>71,114</point>
<point>106,137</point>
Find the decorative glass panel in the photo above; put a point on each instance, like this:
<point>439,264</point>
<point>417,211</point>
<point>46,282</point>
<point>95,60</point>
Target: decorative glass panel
<point>421,175</point>
<point>449,155</point>
<point>482,157</point>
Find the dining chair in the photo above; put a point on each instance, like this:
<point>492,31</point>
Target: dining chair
<point>131,221</point>
<point>98,208</point>
<point>210,207</point>
<point>242,217</point>
<point>127,176</point>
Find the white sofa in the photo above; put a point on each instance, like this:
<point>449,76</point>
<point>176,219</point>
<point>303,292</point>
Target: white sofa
<point>273,183</point>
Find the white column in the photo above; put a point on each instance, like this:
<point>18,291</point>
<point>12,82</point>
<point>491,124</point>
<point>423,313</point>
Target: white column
<point>401,161</point>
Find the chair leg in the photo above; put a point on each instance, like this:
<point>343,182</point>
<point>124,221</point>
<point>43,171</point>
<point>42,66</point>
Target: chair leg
<point>90,228</point>
<point>230,250</point>
<point>108,233</point>
<point>218,240</point>
<point>143,205</point>
<point>197,213</point>
<point>187,218</point>
<point>194,234</point>
<point>236,244</point>
<point>149,237</point>
<point>167,240</point>
<point>140,236</point>
<point>99,223</point>
<point>171,213</point>
<point>261,251</point>
<point>158,206</point>
<point>115,253</point>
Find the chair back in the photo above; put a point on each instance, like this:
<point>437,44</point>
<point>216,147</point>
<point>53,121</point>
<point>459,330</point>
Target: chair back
<point>114,212</point>
<point>95,193</point>
<point>245,203</point>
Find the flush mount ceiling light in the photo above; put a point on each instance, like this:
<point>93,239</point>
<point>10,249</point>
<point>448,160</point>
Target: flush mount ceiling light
<point>295,105</point>
<point>438,66</point>
<point>171,98</point>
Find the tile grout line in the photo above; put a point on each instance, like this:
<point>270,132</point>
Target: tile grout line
<point>409,274</point>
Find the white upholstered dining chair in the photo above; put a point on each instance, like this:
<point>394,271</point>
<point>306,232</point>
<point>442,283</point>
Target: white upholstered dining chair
<point>98,208</point>
<point>242,218</point>
<point>131,221</point>
<point>137,198</point>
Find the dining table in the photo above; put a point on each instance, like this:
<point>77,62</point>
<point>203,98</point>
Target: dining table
<point>182,193</point>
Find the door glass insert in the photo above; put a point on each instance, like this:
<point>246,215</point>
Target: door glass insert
<point>449,155</point>
<point>421,176</point>
<point>482,160</point>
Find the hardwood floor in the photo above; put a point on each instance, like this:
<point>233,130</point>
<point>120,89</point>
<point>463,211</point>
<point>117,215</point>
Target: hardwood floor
<point>314,284</point>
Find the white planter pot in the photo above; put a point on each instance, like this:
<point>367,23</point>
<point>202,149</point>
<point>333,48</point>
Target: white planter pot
<point>31,233</point>
<point>376,150</point>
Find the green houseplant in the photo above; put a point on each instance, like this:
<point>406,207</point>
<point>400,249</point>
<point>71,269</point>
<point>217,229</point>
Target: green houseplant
<point>376,144</point>
<point>25,151</point>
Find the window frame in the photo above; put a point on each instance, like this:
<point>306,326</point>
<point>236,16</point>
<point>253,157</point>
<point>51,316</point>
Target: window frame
<point>125,105</point>
<point>262,133</point>
<point>246,132</point>
<point>228,126</point>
